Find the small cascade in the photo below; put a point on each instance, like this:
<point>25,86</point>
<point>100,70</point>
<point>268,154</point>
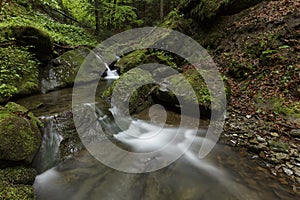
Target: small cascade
<point>48,155</point>
<point>110,74</point>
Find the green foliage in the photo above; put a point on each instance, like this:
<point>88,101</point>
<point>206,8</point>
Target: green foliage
<point>176,20</point>
<point>118,15</point>
<point>18,71</point>
<point>61,33</point>
<point>280,107</point>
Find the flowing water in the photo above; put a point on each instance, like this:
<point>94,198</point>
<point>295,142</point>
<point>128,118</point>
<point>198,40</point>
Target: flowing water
<point>224,174</point>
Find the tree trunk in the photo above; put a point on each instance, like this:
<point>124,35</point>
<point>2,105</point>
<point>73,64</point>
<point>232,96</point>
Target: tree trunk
<point>97,16</point>
<point>161,10</point>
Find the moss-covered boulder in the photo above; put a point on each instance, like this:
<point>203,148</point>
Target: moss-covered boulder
<point>16,192</point>
<point>138,57</point>
<point>61,72</point>
<point>39,41</point>
<point>18,175</point>
<point>19,134</point>
<point>168,87</point>
<point>190,88</point>
<point>132,88</point>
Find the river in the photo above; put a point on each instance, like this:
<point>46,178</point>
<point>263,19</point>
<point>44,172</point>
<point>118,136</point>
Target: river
<point>227,173</point>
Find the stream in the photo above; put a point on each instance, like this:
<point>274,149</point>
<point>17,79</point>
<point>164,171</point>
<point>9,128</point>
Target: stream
<point>226,173</point>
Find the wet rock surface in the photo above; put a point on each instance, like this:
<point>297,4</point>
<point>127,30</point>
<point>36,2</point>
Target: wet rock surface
<point>61,71</point>
<point>271,149</point>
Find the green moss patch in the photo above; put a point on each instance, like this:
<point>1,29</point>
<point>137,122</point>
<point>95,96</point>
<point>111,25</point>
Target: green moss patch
<point>19,135</point>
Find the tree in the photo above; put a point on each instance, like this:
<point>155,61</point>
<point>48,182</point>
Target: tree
<point>97,15</point>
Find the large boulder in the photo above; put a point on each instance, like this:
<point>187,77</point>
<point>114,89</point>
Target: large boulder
<point>19,134</point>
<point>167,86</point>
<point>138,57</point>
<point>38,40</point>
<point>61,72</point>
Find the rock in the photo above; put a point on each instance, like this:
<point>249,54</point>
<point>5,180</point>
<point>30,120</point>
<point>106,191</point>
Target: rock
<point>189,88</point>
<point>297,171</point>
<point>61,72</point>
<point>133,91</point>
<point>39,41</point>
<point>253,141</point>
<point>18,175</point>
<point>138,57</point>
<point>279,146</point>
<point>274,134</point>
<point>282,156</point>
<point>288,172</point>
<point>260,139</point>
<point>262,155</point>
<point>16,192</point>
<point>19,134</point>
<point>295,133</point>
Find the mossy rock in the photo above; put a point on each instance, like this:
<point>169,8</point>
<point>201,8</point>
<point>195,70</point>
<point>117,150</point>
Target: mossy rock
<point>139,57</point>
<point>19,134</point>
<point>39,41</point>
<point>138,99</point>
<point>190,88</point>
<point>17,192</point>
<point>18,175</point>
<point>61,72</point>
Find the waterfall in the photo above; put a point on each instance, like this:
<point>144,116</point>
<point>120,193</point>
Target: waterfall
<point>48,155</point>
<point>110,74</point>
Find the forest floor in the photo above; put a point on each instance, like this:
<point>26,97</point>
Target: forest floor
<point>258,51</point>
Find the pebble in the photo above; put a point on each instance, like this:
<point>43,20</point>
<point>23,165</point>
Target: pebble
<point>253,141</point>
<point>282,156</point>
<point>262,155</point>
<point>289,165</point>
<point>288,171</point>
<point>260,139</point>
<point>274,134</point>
<point>295,132</point>
<point>297,171</point>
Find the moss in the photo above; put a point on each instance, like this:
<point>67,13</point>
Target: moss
<point>292,109</point>
<point>18,175</point>
<point>16,108</point>
<point>19,135</point>
<point>279,146</point>
<point>39,41</point>
<point>138,57</point>
<point>17,192</point>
